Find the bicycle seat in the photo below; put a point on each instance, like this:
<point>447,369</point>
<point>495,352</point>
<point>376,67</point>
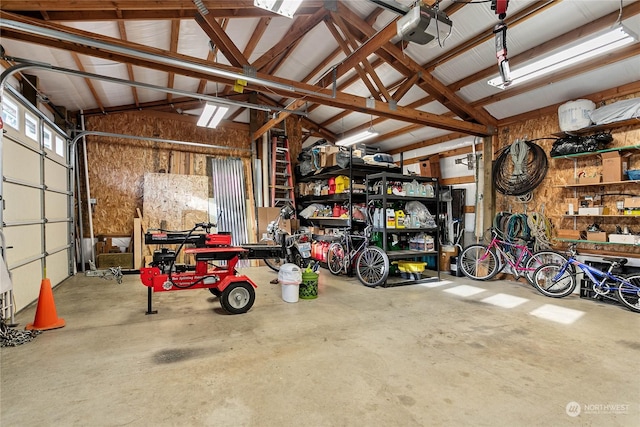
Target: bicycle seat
<point>619,261</point>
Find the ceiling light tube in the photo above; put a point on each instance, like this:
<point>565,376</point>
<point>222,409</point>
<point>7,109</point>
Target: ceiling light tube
<point>358,137</point>
<point>281,7</point>
<point>211,115</point>
<point>596,44</point>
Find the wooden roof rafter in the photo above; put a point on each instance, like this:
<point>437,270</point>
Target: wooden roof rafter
<point>628,11</point>
<point>221,40</point>
<point>123,35</point>
<point>173,48</point>
<point>90,85</point>
<point>344,45</point>
<point>163,60</point>
<point>386,96</point>
<point>298,30</point>
<point>434,86</point>
<point>86,10</point>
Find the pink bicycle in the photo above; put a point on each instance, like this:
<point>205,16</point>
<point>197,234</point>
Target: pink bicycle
<point>483,262</point>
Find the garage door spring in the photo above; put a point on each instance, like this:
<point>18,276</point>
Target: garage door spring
<point>10,337</point>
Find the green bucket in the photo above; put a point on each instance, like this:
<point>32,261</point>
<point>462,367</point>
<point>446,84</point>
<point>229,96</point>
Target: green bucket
<point>309,285</point>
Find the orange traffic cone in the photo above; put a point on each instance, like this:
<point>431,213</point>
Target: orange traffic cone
<point>46,316</point>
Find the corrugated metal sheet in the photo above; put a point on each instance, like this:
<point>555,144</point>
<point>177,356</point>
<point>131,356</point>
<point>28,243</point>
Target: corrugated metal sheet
<point>230,196</point>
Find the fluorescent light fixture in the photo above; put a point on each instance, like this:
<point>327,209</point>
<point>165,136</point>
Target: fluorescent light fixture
<point>211,115</point>
<point>581,50</point>
<point>358,137</point>
<point>281,7</point>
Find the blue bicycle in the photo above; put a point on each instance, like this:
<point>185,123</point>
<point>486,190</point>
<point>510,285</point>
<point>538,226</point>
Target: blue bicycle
<point>557,281</point>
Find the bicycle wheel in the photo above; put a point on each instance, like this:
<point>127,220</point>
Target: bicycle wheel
<point>372,266</point>
<point>541,258</point>
<point>335,258</point>
<point>546,282</point>
<point>629,293</point>
<point>273,263</point>
<point>479,263</point>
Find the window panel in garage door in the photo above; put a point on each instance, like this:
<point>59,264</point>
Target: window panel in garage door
<point>36,192</point>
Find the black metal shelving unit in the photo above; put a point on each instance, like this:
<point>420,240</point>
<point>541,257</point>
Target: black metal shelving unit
<point>358,171</point>
<point>385,199</point>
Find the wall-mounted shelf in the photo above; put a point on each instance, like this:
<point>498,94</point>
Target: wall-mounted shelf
<point>598,184</point>
<point>628,148</point>
<point>595,242</point>
<point>602,216</point>
<point>598,128</point>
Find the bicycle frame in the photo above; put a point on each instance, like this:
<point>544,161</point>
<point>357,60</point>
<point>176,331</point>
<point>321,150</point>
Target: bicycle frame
<point>515,265</point>
<point>593,274</point>
<point>350,252</point>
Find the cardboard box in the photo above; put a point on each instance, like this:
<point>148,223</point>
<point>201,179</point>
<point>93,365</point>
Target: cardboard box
<point>359,188</point>
<point>598,236</point>
<point>430,166</point>
<point>445,257</point>
<point>323,157</point>
<point>628,239</point>
<point>328,159</point>
<point>596,210</point>
<point>632,202</point>
<point>265,216</point>
<point>613,166</point>
<point>329,149</point>
<point>588,179</point>
<point>565,233</point>
<point>124,260</point>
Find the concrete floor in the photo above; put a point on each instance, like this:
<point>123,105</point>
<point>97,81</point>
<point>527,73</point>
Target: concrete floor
<point>406,356</point>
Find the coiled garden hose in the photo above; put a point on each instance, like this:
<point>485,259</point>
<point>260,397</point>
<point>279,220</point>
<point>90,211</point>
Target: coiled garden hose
<point>533,169</point>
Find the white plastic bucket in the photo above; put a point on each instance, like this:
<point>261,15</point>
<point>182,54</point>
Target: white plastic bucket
<point>574,115</point>
<point>290,273</point>
<point>290,292</point>
<point>290,276</point>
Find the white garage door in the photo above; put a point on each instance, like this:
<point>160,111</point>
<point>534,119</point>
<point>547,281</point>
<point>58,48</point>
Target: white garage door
<point>35,191</point>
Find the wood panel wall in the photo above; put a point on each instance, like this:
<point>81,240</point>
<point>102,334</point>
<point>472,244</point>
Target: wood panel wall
<point>551,200</point>
<point>117,166</point>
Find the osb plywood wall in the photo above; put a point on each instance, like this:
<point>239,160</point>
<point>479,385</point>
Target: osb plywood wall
<point>174,201</point>
<point>550,199</point>
<point>117,166</point>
